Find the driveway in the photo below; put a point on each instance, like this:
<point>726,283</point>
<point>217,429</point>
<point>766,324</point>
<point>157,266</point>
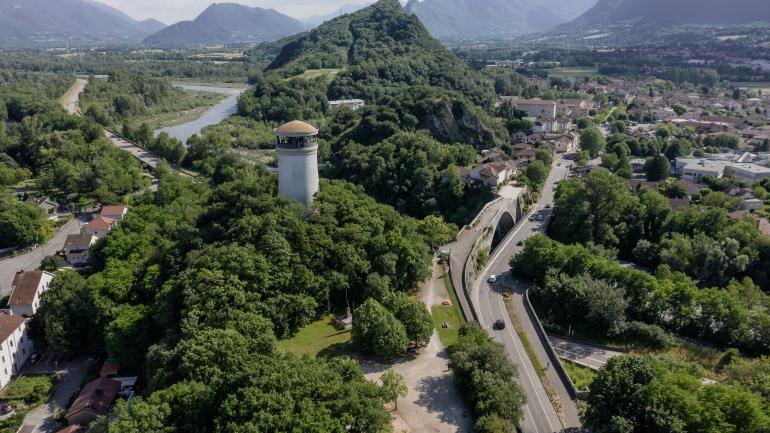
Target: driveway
<point>43,419</point>
<point>433,404</point>
<point>31,260</point>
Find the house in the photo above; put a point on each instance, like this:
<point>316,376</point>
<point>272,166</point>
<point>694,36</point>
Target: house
<point>551,125</point>
<point>99,227</point>
<point>752,204</point>
<point>26,289</point>
<point>491,174</point>
<point>15,346</point>
<point>114,212</point>
<point>526,155</point>
<point>47,205</point>
<point>636,185</point>
<point>561,143</point>
<point>354,104</point>
<point>94,400</point>
<point>76,248</point>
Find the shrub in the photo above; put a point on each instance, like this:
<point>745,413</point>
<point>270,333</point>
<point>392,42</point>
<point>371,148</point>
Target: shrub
<point>651,335</point>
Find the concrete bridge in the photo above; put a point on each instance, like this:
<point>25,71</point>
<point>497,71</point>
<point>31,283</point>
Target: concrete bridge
<point>481,237</point>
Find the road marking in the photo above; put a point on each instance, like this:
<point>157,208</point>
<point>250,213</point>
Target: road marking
<point>526,405</point>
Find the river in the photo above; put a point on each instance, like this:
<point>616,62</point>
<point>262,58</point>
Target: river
<point>212,116</point>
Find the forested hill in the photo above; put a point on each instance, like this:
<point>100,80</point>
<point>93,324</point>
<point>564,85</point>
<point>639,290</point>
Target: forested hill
<point>380,47</point>
<point>227,23</point>
<point>426,113</point>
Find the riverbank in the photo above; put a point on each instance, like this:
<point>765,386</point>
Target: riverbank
<point>193,123</point>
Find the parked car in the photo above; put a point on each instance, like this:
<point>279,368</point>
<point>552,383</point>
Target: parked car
<point>492,279</point>
<point>34,358</point>
<point>520,243</point>
<point>499,324</point>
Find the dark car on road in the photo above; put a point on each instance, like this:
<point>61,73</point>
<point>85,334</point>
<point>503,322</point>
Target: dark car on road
<point>500,324</point>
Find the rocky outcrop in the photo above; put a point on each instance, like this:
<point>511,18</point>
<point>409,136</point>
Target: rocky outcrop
<point>456,122</point>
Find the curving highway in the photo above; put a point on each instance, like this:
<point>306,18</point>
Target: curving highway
<point>539,414</point>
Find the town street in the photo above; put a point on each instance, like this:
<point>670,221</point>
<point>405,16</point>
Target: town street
<point>539,414</point>
<point>31,260</point>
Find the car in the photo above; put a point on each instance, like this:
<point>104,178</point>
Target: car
<point>34,358</point>
<point>492,279</point>
<point>532,218</point>
<point>540,218</point>
<point>499,324</point>
<point>520,243</point>
<point>548,206</point>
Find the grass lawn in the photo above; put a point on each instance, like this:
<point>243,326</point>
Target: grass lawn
<point>311,74</point>
<point>319,338</point>
<point>450,314</point>
<point>25,393</point>
<point>581,376</point>
<point>575,72</point>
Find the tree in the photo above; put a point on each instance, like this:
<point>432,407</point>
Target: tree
<point>413,314</point>
<point>618,393</point>
<point>393,386</point>
<point>536,173</point>
<point>544,155</point>
<point>52,263</point>
<point>607,305</point>
<point>377,331</point>
<point>657,168</point>
<point>592,140</point>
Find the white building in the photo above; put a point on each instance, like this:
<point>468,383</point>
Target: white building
<point>77,249</point>
<point>534,107</point>
<point>695,169</point>
<point>26,289</point>
<point>15,346</point>
<point>551,125</point>
<point>297,148</point>
<point>354,104</point>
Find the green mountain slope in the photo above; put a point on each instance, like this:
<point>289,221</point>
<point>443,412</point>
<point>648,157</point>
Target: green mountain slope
<point>380,50</point>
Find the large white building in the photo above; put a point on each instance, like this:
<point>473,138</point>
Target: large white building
<point>695,169</point>
<point>297,148</point>
<point>537,108</point>
<point>15,346</point>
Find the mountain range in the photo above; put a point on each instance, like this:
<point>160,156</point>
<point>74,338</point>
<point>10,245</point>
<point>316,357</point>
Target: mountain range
<point>317,20</point>
<point>227,23</point>
<point>460,19</point>
<point>46,23</point>
<point>644,22</point>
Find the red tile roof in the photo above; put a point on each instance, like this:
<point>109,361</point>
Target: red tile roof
<point>100,223</point>
<point>96,397</point>
<point>109,369</point>
<point>74,428</point>
<point>82,240</point>
<point>114,212</point>
<point>9,324</point>
<point>25,285</point>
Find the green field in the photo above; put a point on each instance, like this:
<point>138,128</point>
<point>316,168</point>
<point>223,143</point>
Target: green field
<point>575,72</point>
<point>317,338</point>
<point>581,376</point>
<point>450,314</point>
<point>311,74</point>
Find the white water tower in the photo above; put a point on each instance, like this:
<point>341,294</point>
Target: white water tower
<point>297,148</point>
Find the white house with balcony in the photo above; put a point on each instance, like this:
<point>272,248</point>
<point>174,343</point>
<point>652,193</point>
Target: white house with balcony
<point>15,346</point>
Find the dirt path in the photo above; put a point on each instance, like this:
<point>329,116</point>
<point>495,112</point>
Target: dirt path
<point>433,403</point>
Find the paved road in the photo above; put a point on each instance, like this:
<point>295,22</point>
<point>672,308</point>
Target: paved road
<point>71,99</point>
<point>539,414</point>
<point>587,355</point>
<point>32,259</point>
<point>42,419</point>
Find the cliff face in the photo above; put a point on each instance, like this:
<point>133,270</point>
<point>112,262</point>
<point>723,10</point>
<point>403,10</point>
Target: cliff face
<point>455,122</point>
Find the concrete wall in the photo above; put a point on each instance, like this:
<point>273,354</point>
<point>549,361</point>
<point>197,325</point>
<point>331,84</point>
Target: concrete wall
<point>298,174</point>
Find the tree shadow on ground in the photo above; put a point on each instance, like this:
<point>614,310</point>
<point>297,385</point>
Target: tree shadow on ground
<point>433,397</point>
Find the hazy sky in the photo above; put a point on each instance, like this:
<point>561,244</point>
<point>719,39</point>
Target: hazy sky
<point>171,11</point>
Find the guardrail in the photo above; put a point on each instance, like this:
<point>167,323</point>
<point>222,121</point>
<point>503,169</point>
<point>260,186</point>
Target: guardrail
<point>555,360</point>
